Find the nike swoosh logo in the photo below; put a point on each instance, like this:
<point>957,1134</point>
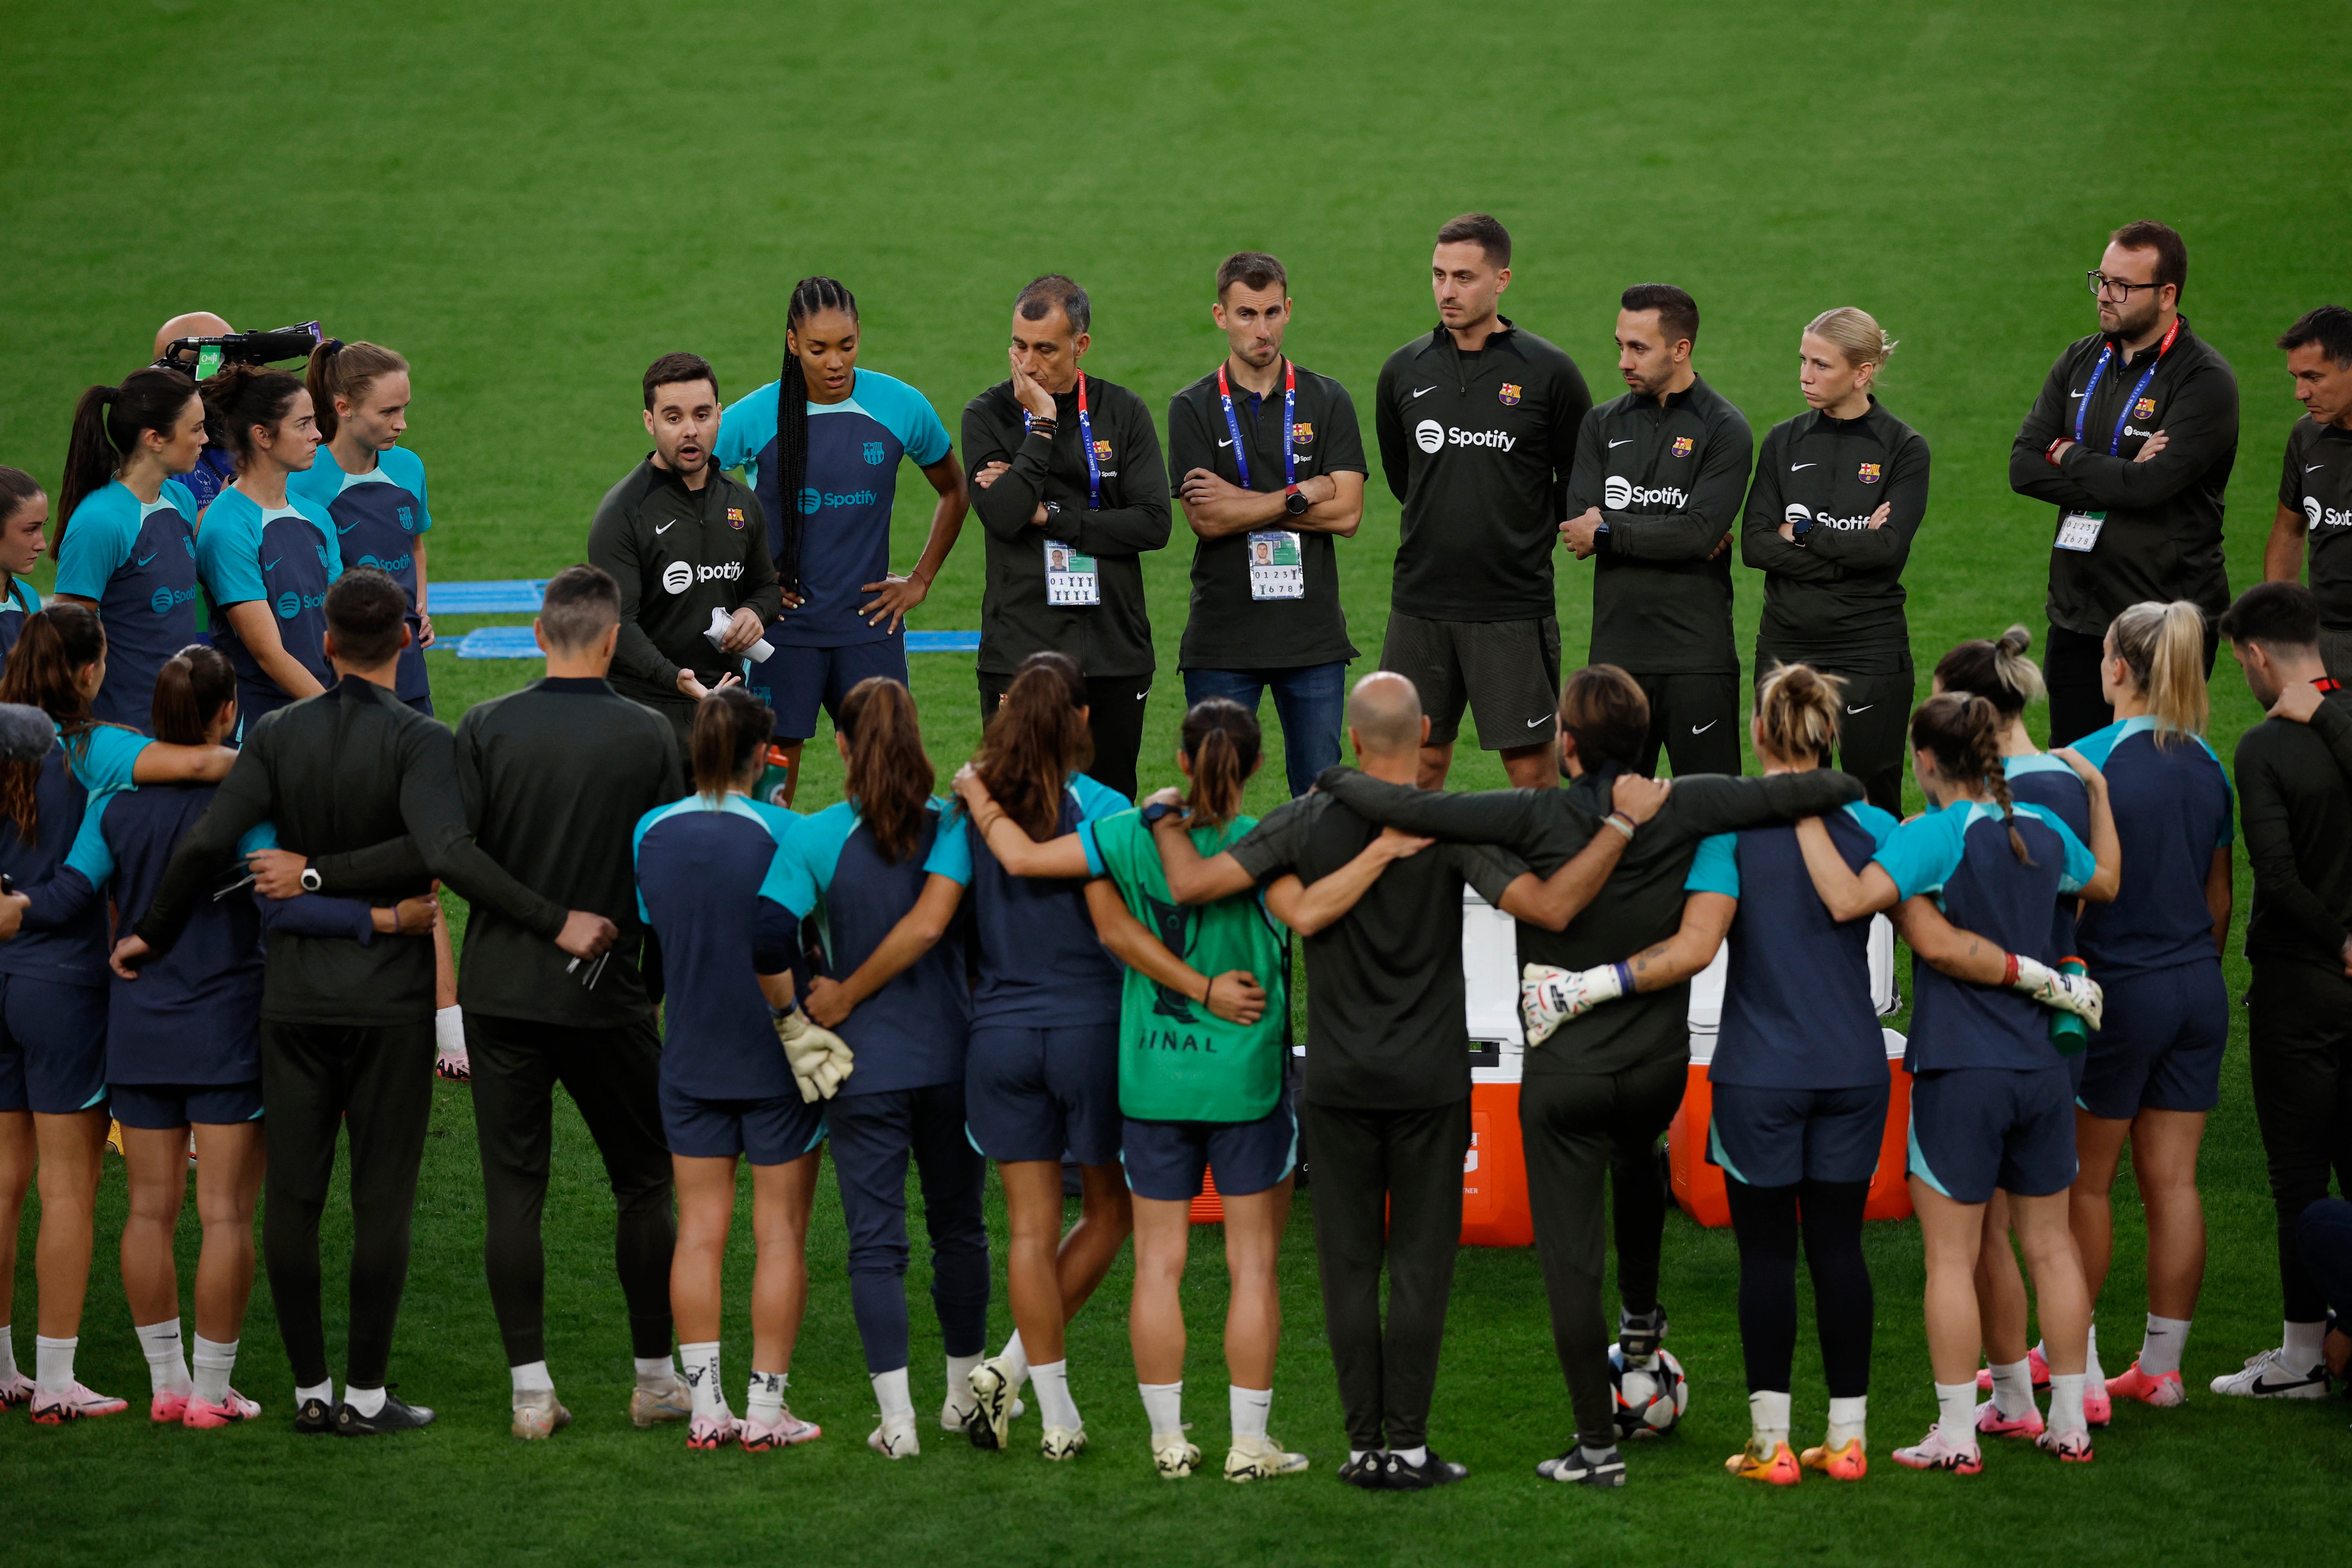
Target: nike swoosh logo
<point>151,554</point>
<point>2072,396</point>
<point>1544,719</point>
<point>1224,443</point>
<point>272,565</point>
<point>1626,442</point>
<point>1703,728</point>
<point>346,526</point>
<point>1141,695</point>
<point>2313,468</point>
<point>665,527</point>
<point>1423,391</point>
<point>1864,709</point>
<point>2263,1386</point>
<point>1796,468</point>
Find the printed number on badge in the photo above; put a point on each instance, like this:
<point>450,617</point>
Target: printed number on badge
<point>2079,531</point>
<point>1276,571</point>
<point>1070,577</point>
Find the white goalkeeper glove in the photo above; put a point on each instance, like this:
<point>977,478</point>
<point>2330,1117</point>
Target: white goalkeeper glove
<point>818,1057</point>
<point>1549,995</point>
<point>2076,994</point>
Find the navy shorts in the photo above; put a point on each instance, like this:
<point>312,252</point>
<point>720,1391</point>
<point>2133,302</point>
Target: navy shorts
<point>2161,1047</point>
<point>52,1045</point>
<point>1031,1094</point>
<point>1975,1129</point>
<point>1164,1159</point>
<point>163,1107</point>
<point>772,1131</point>
<point>796,681</point>
<point>1778,1137</point>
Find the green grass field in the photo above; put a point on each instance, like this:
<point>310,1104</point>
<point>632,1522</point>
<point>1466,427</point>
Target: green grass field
<point>533,201</point>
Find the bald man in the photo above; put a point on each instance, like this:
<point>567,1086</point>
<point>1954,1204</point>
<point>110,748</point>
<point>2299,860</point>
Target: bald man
<point>215,470</point>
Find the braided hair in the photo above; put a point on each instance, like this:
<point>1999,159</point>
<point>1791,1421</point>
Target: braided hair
<point>1963,734</point>
<point>809,295</point>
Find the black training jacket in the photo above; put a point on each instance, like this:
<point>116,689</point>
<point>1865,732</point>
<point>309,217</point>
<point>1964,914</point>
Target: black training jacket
<point>678,554</point>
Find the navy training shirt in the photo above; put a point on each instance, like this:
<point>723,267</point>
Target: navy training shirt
<point>1962,856</point>
<point>1041,964</point>
<point>379,515</point>
<point>847,495</point>
<point>710,884</point>
<point>911,1033</point>
<point>2173,808</point>
<point>2040,779</point>
<point>137,562</point>
<point>285,558</point>
<point>74,953</point>
<point>1797,1012</point>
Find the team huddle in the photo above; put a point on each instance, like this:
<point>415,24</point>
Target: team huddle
<point>219,927</point>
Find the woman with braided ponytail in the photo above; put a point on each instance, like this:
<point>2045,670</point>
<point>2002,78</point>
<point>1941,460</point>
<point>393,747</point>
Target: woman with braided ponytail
<point>1991,1101</point>
<point>821,446</point>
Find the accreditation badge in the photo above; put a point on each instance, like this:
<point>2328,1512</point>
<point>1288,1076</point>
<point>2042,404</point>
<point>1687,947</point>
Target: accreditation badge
<point>1070,577</point>
<point>2079,531</point>
<point>1276,571</point>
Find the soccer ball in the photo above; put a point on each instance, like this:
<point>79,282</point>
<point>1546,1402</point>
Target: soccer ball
<point>1649,1399</point>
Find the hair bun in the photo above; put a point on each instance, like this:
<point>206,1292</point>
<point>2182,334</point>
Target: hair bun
<point>2016,640</point>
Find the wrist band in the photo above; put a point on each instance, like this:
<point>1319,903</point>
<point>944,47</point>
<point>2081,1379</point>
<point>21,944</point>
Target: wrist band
<point>1620,822</point>
<point>1624,978</point>
<point>2009,969</point>
<point>1209,990</point>
<point>2050,453</point>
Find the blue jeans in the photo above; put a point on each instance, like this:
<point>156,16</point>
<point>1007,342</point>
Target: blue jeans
<point>1310,701</point>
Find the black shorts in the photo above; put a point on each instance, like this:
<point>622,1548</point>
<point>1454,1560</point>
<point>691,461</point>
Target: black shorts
<point>1694,719</point>
<point>166,1107</point>
<point>1164,1159</point>
<point>1032,1093</point>
<point>1506,672</point>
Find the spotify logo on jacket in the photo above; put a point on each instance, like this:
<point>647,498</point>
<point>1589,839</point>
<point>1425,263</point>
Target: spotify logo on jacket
<point>1621,494</point>
<point>1431,436</point>
<point>678,576</point>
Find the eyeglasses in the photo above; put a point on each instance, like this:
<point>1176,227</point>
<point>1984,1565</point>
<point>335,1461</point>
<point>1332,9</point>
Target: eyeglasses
<point>2106,286</point>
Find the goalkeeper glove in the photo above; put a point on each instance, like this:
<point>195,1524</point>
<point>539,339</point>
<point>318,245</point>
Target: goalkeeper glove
<point>818,1057</point>
<point>2076,994</point>
<point>1549,996</point>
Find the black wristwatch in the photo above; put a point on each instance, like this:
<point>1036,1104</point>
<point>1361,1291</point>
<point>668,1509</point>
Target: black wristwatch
<point>311,881</point>
<point>1157,809</point>
<point>1053,512</point>
<point>1294,500</point>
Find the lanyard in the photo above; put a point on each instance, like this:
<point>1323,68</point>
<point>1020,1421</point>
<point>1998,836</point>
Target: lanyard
<point>2082,409</point>
<point>1086,439</point>
<point>1233,425</point>
<point>2328,683</point>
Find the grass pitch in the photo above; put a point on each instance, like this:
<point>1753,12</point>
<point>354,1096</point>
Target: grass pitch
<point>533,201</point>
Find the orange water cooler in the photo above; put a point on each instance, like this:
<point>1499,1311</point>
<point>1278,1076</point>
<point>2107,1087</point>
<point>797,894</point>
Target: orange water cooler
<point>1495,1171</point>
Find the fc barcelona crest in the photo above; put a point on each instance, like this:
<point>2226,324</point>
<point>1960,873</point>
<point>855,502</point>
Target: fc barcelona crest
<point>1509,394</point>
<point>1302,434</point>
<point>1102,451</point>
<point>2144,409</point>
<point>1682,446</point>
<point>1867,473</point>
<point>735,518</point>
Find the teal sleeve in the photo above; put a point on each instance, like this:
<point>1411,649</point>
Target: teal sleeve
<point>909,417</point>
<point>637,856</point>
<point>1094,866</point>
<point>1879,824</point>
<point>747,427</point>
<point>2099,744</point>
<point>89,855</point>
<point>99,537</point>
<point>407,469</point>
<point>229,554</point>
<point>2081,863</point>
<point>1922,854</point>
<point>1096,799</point>
<point>805,862</point>
<point>104,756</point>
<point>262,835</point>
<point>1715,867</point>
<point>950,853</point>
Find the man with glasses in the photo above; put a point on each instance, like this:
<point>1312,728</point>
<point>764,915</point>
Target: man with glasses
<point>2132,439</point>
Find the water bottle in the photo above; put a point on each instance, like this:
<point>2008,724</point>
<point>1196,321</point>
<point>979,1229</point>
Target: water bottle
<point>2068,1032</point>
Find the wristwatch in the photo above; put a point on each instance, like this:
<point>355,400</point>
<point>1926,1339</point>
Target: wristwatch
<point>1157,809</point>
<point>1294,500</point>
<point>1053,512</point>
<point>311,881</point>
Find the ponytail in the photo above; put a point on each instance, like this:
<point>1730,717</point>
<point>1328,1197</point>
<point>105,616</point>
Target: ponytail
<point>1221,742</point>
<point>2163,647</point>
<point>193,686</point>
<point>890,775</point>
<point>55,645</point>
<point>809,296</point>
<point>106,424</point>
<point>1998,671</point>
<point>1963,734</point>
<point>338,369</point>
<point>244,396</point>
<point>1798,708</point>
<point>730,727</point>
<point>1035,740</point>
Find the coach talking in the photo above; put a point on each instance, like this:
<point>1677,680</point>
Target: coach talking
<point>683,539</point>
<point>2132,439</point>
<point>1071,490</point>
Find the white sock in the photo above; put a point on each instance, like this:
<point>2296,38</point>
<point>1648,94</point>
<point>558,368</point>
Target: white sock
<point>1248,1408</point>
<point>1053,1384</point>
<point>1847,1418</point>
<point>654,1368</point>
<point>167,1359</point>
<point>2302,1345</point>
<point>764,1400</point>
<point>1016,1357</point>
<point>1164,1405</point>
<point>2013,1389</point>
<point>324,1393</point>
<point>2161,1344</point>
<point>960,1379</point>
<point>2066,1402</point>
<point>1768,1419</point>
<point>366,1401</point>
<point>702,1377</point>
<point>1358,1456</point>
<point>449,1031</point>
<point>1416,1457</point>
<point>214,1364</point>
<point>53,1364</point>
<point>2091,1372</point>
<point>532,1377</point>
<point>890,1394</point>
<point>1956,1413</point>
<point>7,1353</point>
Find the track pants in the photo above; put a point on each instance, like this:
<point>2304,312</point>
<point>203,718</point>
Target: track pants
<point>316,1079</point>
<point>2300,1046</point>
<point>1387,1189</point>
<point>1873,733</point>
<point>614,1076</point>
<point>1768,1222</point>
<point>872,1135</point>
<point>1578,1129</point>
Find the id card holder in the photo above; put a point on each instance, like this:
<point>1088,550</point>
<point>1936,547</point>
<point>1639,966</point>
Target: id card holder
<point>1276,571</point>
<point>1070,577</point>
<point>2079,531</point>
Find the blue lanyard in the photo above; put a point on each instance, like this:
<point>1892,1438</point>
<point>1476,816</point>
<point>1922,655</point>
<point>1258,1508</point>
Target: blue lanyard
<point>2082,408</point>
<point>1086,439</point>
<point>1233,425</point>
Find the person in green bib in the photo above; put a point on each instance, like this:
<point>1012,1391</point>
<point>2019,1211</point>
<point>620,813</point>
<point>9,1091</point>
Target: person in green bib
<point>1205,1013</point>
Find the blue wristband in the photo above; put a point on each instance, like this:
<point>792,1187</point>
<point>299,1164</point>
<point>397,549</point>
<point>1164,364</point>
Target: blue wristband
<point>1624,978</point>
